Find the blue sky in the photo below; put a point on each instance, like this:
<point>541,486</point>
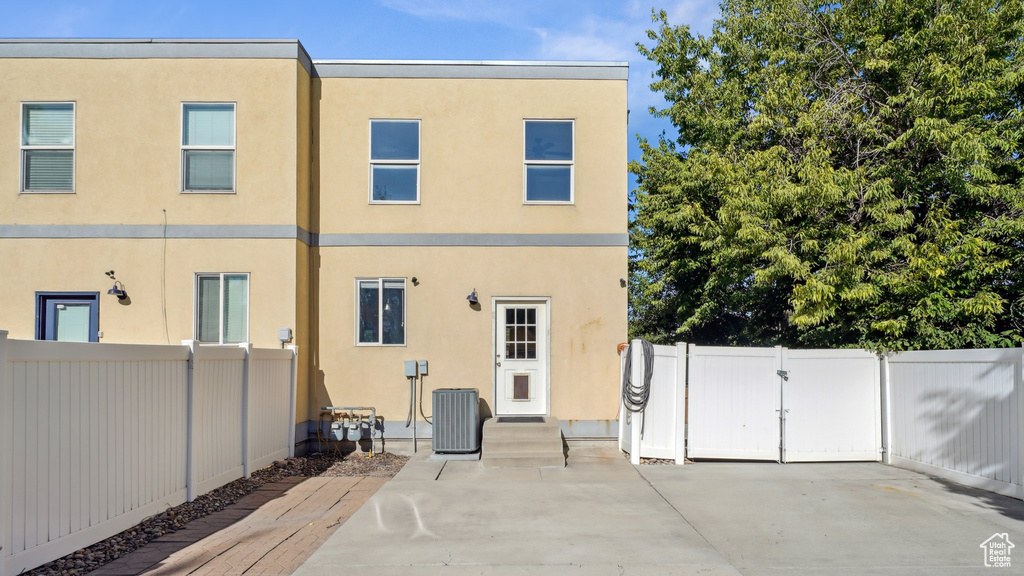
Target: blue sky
<point>393,29</point>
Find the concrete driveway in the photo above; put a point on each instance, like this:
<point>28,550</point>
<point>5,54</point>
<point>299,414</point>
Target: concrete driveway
<point>600,515</point>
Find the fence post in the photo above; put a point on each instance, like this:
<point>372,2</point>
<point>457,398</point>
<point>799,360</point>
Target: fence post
<point>638,417</point>
<point>780,363</point>
<point>622,407</point>
<point>6,439</point>
<point>680,411</point>
<point>293,389</point>
<point>246,407</point>
<point>190,411</point>
<point>1018,388</point>
<point>886,409</point>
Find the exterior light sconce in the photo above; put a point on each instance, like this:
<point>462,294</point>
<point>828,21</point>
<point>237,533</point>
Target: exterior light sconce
<point>118,290</point>
<point>473,300</point>
<point>622,282</point>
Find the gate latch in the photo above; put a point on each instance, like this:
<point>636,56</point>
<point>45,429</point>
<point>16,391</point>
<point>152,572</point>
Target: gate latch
<point>784,374</point>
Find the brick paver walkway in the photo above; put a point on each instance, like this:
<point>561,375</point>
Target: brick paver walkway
<point>271,531</point>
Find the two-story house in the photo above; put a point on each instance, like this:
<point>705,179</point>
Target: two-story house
<point>472,214</point>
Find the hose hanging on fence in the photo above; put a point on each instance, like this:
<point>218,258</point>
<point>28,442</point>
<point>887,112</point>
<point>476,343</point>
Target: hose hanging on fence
<point>635,397</point>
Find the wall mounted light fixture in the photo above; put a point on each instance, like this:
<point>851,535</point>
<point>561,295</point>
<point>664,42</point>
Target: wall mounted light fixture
<point>118,290</point>
<point>473,300</point>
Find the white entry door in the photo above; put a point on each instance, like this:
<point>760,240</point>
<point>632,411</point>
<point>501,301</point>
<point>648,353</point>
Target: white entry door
<point>521,357</point>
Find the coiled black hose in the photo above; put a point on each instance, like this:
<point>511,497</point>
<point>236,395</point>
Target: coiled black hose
<point>635,397</point>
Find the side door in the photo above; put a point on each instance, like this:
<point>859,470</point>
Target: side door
<point>521,358</point>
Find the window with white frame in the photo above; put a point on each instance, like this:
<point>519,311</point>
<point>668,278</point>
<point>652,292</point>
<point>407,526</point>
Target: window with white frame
<point>380,311</point>
<point>394,161</point>
<point>222,308</point>
<point>548,162</point>
<point>208,147</point>
<point>48,147</point>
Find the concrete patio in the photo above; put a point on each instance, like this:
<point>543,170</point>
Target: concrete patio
<point>600,515</point>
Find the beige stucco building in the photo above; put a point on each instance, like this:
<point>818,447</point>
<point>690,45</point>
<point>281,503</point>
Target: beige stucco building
<point>237,188</point>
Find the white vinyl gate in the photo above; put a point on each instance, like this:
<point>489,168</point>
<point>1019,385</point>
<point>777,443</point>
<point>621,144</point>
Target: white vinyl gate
<point>783,405</point>
<point>734,395</point>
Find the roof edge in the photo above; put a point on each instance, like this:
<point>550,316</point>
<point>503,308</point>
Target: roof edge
<point>133,48</point>
<point>142,48</point>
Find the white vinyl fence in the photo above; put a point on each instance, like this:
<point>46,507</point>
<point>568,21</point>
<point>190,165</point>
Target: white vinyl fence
<point>784,405</point>
<point>659,429</point>
<point>95,438</point>
<point>758,404</point>
<point>957,414</point>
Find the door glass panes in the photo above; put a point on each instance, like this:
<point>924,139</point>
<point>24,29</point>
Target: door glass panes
<point>72,322</point>
<point>521,333</point>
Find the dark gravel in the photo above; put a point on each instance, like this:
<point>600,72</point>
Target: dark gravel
<point>173,519</point>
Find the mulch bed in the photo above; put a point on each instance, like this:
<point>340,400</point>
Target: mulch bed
<point>173,519</point>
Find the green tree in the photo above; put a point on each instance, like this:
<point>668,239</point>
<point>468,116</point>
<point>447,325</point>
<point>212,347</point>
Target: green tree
<point>845,173</point>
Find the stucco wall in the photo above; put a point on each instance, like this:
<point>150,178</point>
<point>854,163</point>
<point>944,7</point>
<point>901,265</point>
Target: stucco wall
<point>471,182</point>
<point>128,139</point>
<point>471,143</point>
<point>128,170</point>
<point>588,320</point>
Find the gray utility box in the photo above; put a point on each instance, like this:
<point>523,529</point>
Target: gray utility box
<point>456,420</point>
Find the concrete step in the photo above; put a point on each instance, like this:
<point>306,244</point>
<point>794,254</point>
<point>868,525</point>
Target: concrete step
<point>522,444</point>
<point>548,443</point>
<point>525,460</point>
<point>522,430</point>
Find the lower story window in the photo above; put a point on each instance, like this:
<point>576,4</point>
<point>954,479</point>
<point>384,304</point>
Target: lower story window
<point>222,308</point>
<point>380,304</point>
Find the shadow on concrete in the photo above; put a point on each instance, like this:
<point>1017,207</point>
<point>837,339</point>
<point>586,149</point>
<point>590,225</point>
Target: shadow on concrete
<point>966,424</point>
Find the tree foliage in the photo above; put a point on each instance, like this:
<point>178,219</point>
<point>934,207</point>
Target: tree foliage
<point>845,173</point>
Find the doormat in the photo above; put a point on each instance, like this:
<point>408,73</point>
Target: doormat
<point>521,419</point>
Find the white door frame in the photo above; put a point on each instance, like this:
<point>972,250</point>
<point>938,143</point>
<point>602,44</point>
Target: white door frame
<point>546,300</point>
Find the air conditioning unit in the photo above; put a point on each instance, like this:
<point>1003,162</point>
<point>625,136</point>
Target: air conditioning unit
<point>456,420</point>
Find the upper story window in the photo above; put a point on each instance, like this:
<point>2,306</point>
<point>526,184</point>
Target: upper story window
<point>208,147</point>
<point>395,161</point>
<point>380,307</point>
<point>548,162</point>
<point>222,308</point>
<point>48,147</point>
